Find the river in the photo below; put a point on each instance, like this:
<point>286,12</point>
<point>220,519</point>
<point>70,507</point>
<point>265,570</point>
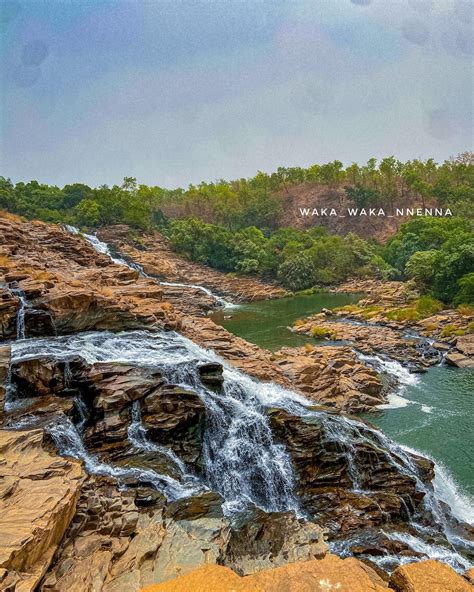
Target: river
<point>431,412</point>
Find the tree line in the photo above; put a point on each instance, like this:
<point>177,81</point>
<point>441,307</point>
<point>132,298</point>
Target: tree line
<point>235,226</point>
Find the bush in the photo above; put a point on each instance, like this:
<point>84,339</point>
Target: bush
<point>428,306</point>
<point>465,293</point>
<point>297,272</point>
<point>248,265</point>
<point>322,333</point>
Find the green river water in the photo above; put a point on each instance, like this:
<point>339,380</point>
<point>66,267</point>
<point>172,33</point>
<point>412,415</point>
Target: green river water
<point>431,412</point>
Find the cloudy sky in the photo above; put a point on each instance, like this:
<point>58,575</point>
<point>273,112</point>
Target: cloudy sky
<point>174,92</point>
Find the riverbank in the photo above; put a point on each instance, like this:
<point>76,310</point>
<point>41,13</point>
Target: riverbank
<point>174,458</point>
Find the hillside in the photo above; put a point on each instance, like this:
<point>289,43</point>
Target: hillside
<point>317,196</point>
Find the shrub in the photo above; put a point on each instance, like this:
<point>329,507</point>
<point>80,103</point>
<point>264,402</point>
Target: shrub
<point>403,314</point>
<point>428,306</point>
<point>465,293</point>
<point>322,333</point>
<point>297,272</point>
<point>449,330</point>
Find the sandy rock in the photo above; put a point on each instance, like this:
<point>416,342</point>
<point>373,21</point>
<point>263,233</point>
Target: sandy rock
<point>428,576</point>
<point>38,496</point>
<point>330,573</point>
<point>465,344</point>
<point>208,578</point>
<point>459,360</point>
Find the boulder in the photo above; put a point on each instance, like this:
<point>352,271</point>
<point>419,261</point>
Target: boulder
<point>330,573</point>
<point>266,540</point>
<point>38,496</point>
<point>174,416</point>
<point>43,376</point>
<point>459,360</point>
<point>332,376</point>
<point>211,374</point>
<point>428,576</point>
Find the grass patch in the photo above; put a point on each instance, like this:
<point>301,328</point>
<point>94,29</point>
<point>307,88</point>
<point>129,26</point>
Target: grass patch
<point>424,307</point>
<point>465,310</point>
<point>322,333</point>
<point>5,261</point>
<point>449,331</point>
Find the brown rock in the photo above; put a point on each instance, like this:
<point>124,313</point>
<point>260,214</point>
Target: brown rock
<point>38,495</point>
<point>428,576</point>
<point>272,539</point>
<point>332,376</point>
<point>330,573</point>
<point>326,477</point>
<point>208,578</point>
<point>459,360</point>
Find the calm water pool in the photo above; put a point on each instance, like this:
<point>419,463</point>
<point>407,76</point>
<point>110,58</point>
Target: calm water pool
<point>266,322</point>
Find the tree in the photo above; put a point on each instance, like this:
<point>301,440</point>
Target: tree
<point>422,267</point>
<point>87,213</point>
<point>465,293</point>
<point>297,272</point>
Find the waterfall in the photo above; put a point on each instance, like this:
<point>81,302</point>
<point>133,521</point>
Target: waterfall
<point>20,316</point>
<point>104,249</point>
<point>242,462</point>
<point>69,442</point>
<point>138,437</point>
<point>241,459</point>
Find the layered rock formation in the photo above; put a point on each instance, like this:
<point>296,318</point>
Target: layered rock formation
<point>372,339</point>
<point>38,497</point>
<point>332,376</point>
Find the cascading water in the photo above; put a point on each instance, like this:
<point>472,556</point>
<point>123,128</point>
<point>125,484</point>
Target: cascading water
<point>104,248</point>
<point>241,460</point>
<point>392,368</point>
<point>20,316</point>
<point>69,442</point>
<point>138,437</point>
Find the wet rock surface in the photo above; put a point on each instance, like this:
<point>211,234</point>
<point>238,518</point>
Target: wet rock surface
<point>346,496</point>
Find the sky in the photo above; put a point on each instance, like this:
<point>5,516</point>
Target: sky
<point>176,92</point>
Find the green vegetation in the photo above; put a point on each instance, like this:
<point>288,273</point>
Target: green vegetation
<point>423,307</point>
<point>236,226</point>
<point>322,333</point>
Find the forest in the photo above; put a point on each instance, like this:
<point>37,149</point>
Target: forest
<point>235,226</point>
